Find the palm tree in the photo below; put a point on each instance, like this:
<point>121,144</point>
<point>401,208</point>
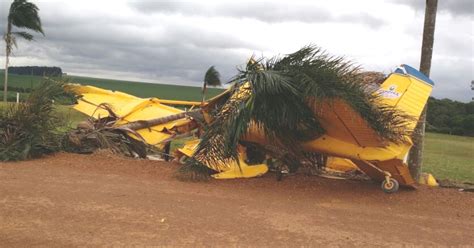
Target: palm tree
<point>23,15</point>
<point>279,96</point>
<point>212,78</point>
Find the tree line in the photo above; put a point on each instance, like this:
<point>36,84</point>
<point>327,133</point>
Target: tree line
<point>36,70</point>
<point>450,117</point>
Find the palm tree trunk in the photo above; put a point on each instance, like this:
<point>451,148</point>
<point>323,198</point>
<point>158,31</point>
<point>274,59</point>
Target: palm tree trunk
<point>8,49</point>
<point>415,158</point>
<point>204,88</point>
<point>5,83</point>
<point>137,125</point>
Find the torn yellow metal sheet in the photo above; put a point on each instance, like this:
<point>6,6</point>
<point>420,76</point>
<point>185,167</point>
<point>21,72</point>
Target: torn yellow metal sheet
<point>129,108</point>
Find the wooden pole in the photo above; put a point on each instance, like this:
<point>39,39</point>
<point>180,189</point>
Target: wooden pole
<point>415,158</point>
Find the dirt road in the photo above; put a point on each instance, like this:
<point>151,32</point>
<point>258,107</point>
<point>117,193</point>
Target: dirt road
<point>76,200</point>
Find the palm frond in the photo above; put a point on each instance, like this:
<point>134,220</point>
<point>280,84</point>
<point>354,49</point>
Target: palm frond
<point>193,170</point>
<point>278,95</point>
<point>265,98</point>
<point>212,77</point>
<point>24,14</point>
<point>326,78</point>
<point>25,35</point>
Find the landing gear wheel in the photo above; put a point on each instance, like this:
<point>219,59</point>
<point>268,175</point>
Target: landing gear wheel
<point>390,186</point>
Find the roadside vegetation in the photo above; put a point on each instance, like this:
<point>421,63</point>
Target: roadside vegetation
<point>32,128</point>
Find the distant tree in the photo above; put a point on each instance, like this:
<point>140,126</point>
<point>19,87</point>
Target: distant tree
<point>450,117</point>
<point>23,15</point>
<point>212,78</point>
<point>468,125</point>
<point>470,108</point>
<point>36,71</point>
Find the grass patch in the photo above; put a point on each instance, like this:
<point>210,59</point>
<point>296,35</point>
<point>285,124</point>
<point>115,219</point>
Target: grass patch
<point>449,157</point>
<point>11,96</point>
<point>72,116</point>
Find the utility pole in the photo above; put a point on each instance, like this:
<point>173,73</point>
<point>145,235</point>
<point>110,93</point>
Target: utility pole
<point>415,158</point>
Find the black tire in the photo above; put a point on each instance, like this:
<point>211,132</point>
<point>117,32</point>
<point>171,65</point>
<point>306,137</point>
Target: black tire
<point>390,186</point>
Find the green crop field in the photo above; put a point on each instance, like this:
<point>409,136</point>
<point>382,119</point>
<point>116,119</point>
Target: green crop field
<point>164,91</point>
<point>445,156</point>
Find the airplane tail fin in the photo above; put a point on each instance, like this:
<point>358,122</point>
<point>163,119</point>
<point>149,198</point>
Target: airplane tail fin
<point>408,90</point>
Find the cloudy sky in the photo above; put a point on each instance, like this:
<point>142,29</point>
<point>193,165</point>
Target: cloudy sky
<point>174,42</point>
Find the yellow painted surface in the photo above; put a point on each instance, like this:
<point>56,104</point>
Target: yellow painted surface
<point>414,94</point>
<point>340,164</point>
<point>242,171</point>
<point>189,147</point>
<point>349,136</point>
<point>229,170</point>
<point>428,179</point>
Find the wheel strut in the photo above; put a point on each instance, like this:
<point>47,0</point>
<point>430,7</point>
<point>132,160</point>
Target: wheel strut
<point>389,185</point>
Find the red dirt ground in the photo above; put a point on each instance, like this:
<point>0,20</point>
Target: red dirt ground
<point>90,200</point>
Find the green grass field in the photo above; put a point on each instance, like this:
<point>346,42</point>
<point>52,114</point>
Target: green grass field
<point>449,157</point>
<point>67,113</point>
<point>445,156</point>
<point>164,91</point>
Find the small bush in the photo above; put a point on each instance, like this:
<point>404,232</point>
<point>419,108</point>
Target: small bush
<point>31,129</point>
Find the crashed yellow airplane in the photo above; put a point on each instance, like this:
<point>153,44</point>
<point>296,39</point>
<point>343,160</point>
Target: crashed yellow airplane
<point>347,134</point>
